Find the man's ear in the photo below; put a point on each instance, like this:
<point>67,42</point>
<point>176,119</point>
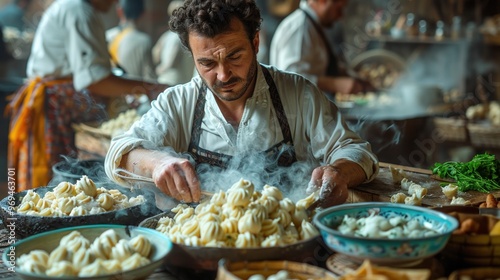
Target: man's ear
<point>256,42</point>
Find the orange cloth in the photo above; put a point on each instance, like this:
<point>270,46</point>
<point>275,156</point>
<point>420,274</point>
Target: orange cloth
<point>28,118</point>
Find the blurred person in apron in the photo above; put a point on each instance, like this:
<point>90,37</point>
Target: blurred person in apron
<point>174,63</point>
<point>70,80</point>
<point>300,45</point>
<point>129,47</point>
<point>235,109</point>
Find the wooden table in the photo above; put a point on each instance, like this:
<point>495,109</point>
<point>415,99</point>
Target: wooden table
<point>383,187</point>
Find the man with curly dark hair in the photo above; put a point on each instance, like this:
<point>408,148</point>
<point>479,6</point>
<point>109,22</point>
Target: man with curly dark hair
<point>235,109</point>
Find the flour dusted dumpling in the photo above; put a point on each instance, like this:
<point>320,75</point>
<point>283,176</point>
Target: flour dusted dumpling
<point>233,211</point>
<point>26,206</point>
<point>94,269</point>
<point>78,211</point>
<point>75,244</point>
<point>87,186</point>
<point>450,191</point>
<point>291,235</point>
<point>230,225</point>
<point>83,199</point>
<point>102,245</point>
<point>247,240</point>
<point>191,228</point>
<point>308,201</point>
<point>413,200</point>
<point>117,196</point>
<point>61,268</point>
<point>270,202</point>
<point>239,196</point>
<point>219,198</point>
<point>61,253</point>
<point>183,215</point>
<point>397,174</point>
<point>43,204</point>
<point>299,215</point>
<point>211,230</point>
<point>258,210</point>
<point>31,196</point>
<point>64,189</point>
<point>307,230</point>
<point>137,200</point>
<point>66,204</point>
<point>121,251</point>
<point>405,184</point>
<point>106,201</point>
<point>249,223</point>
<point>96,210</point>
<point>82,258</point>
<point>37,259</point>
<point>287,205</point>
<point>284,217</point>
<point>273,240</point>
<point>272,191</point>
<point>418,190</point>
<point>459,201</point>
<point>30,266</point>
<point>46,212</point>
<point>112,266</point>
<point>398,198</point>
<point>49,196</point>
<point>134,261</point>
<point>270,227</point>
<point>141,245</point>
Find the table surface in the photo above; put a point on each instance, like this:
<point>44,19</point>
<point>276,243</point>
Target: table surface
<point>380,189</point>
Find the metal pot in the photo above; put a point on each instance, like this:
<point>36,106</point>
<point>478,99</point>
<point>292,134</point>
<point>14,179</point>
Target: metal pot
<point>416,95</point>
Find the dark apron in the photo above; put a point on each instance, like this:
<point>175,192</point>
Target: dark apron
<point>281,154</point>
<point>333,68</point>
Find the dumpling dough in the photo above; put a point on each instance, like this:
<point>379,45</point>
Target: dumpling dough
<point>61,268</point>
<point>135,261</point>
<point>87,186</point>
<point>141,245</point>
<point>94,269</point>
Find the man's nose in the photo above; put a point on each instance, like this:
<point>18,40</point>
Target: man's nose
<point>223,73</point>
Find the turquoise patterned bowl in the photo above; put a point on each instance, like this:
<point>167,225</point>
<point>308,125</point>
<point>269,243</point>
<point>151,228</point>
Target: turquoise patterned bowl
<point>422,232</point>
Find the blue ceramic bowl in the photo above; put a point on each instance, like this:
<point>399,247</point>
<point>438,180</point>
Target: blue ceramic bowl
<point>48,241</point>
<point>403,251</point>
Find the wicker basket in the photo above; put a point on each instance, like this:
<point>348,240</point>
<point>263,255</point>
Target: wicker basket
<point>451,129</point>
<point>473,250</point>
<point>484,135</point>
<point>243,270</point>
<point>475,273</point>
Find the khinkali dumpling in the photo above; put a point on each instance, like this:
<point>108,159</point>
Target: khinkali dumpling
<point>272,191</point>
<point>87,186</point>
<point>134,261</point>
<point>141,245</point>
<point>61,268</point>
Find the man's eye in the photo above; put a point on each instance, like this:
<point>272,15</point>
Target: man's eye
<point>236,57</point>
<point>207,64</point>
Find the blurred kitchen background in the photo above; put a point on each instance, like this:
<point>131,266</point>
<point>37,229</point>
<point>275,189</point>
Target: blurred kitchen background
<point>435,65</point>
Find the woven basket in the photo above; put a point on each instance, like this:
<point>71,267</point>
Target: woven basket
<point>484,135</point>
<point>451,129</point>
<point>243,270</point>
<point>475,273</point>
<point>473,250</point>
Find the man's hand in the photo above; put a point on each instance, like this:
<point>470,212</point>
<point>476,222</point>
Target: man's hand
<point>332,185</point>
<point>177,178</point>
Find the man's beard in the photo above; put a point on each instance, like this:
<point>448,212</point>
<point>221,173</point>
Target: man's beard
<point>252,72</point>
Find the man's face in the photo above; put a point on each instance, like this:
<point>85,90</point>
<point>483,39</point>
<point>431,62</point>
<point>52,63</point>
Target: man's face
<point>227,63</point>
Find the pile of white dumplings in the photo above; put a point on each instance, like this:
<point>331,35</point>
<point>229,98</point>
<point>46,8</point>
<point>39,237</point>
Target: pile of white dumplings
<point>82,198</point>
<point>241,217</point>
<point>378,226</point>
<point>121,123</point>
<point>77,256</point>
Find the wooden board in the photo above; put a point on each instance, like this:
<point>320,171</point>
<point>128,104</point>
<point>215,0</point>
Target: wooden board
<point>383,187</point>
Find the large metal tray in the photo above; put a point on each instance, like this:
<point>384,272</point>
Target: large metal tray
<point>312,251</point>
<point>27,225</point>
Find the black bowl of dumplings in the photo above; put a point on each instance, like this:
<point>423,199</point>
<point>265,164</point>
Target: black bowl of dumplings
<point>32,221</point>
<point>103,251</point>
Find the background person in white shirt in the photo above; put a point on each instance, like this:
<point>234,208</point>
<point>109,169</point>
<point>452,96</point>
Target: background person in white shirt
<point>300,45</point>
<point>235,109</point>
<point>129,47</point>
<point>70,80</point>
<point>174,63</point>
